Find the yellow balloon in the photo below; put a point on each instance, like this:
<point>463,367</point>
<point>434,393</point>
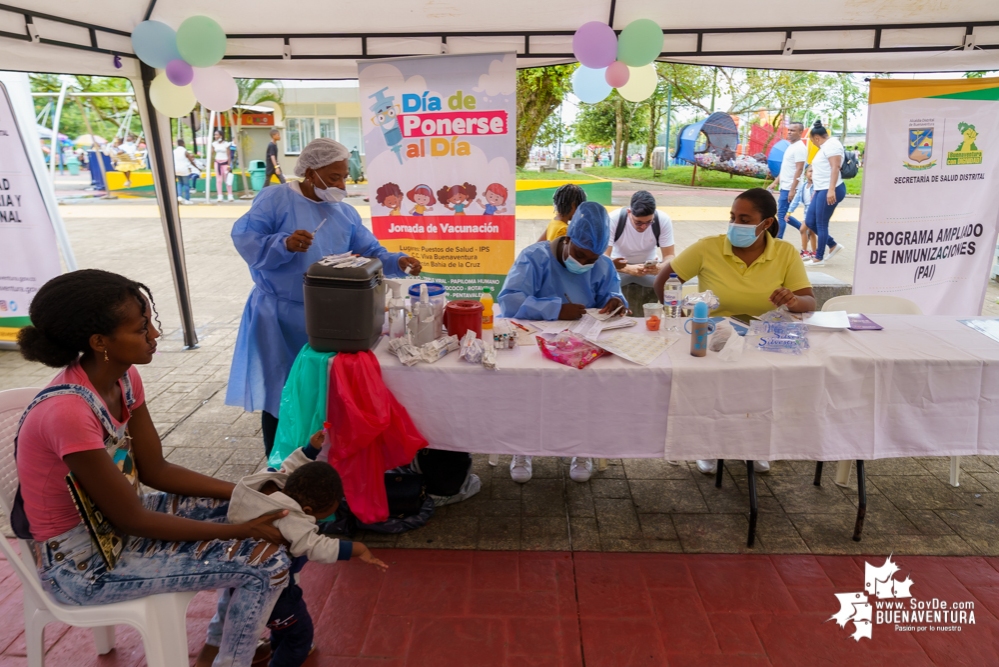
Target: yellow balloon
<point>641,84</point>
<point>170,100</point>
<point>812,150</point>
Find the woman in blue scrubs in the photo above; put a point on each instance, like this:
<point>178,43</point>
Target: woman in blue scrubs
<point>559,280</point>
<point>287,229</point>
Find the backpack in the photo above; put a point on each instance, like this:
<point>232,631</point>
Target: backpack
<point>445,472</point>
<point>622,220</point>
<point>851,165</point>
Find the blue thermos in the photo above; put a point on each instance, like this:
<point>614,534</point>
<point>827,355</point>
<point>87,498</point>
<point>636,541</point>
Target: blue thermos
<point>699,327</point>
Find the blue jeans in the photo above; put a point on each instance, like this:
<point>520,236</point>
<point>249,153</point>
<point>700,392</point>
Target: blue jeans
<point>74,573</point>
<point>290,623</point>
<point>818,216</point>
<point>782,205</point>
<point>184,185</point>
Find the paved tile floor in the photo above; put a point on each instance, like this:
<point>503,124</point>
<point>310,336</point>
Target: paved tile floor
<point>482,608</point>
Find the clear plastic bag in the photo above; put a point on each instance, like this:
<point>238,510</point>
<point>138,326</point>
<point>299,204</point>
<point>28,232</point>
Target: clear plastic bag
<point>707,297</point>
<point>569,349</point>
<point>779,333</point>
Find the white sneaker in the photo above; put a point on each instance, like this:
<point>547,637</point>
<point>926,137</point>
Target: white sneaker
<point>815,262</point>
<point>188,202</point>
<point>673,463</point>
<point>231,199</point>
<point>520,469</point>
<point>834,250</point>
<point>707,466</point>
<point>219,200</point>
<point>761,466</point>
<point>180,200</point>
<point>580,469</point>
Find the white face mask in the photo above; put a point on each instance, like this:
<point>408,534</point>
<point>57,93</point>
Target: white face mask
<point>327,194</point>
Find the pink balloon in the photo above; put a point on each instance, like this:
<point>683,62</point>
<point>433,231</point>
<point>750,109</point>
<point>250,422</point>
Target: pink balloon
<point>179,72</point>
<point>617,74</point>
<point>215,88</point>
<point>595,45</point>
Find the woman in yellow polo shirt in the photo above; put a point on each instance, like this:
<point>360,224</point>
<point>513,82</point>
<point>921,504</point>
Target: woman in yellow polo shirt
<point>749,270</point>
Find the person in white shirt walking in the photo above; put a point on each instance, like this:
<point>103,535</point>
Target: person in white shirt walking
<point>637,232</point>
<point>791,168</point>
<point>185,171</point>
<point>221,147</point>
<point>829,192</point>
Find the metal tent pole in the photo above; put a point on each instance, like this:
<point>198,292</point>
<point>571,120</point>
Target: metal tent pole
<point>56,150</point>
<point>157,130</point>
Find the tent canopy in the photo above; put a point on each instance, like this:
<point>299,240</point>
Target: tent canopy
<point>306,40</point>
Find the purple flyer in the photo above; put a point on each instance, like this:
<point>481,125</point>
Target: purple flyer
<point>860,322</point>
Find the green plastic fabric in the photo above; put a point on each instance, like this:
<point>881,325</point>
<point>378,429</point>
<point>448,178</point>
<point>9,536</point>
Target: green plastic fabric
<point>303,403</point>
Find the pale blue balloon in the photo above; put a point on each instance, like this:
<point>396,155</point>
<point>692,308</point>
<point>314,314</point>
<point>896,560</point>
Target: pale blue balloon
<point>155,43</point>
<point>590,85</point>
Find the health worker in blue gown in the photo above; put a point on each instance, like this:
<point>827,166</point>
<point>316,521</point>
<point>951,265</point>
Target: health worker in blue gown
<point>288,228</point>
<point>559,280</point>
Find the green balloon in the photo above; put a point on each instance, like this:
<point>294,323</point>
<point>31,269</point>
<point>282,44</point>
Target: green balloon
<point>201,41</point>
<point>639,43</point>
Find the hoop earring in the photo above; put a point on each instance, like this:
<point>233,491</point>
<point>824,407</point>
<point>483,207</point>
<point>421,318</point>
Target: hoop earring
<point>106,356</point>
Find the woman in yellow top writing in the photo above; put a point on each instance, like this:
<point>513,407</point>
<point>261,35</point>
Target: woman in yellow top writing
<point>749,269</point>
<point>566,199</point>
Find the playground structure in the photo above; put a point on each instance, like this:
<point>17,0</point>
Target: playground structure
<point>717,144</point>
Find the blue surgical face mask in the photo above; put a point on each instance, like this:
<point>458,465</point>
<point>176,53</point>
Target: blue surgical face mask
<point>328,194</point>
<point>742,236</point>
<point>573,265</point>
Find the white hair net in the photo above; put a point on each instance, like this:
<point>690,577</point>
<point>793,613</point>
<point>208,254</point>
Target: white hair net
<point>320,153</point>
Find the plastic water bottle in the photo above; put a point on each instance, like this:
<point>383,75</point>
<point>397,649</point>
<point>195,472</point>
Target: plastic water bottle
<point>487,310</point>
<point>672,295</point>
<point>699,327</point>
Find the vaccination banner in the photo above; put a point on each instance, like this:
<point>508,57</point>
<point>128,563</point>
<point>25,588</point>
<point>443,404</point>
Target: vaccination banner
<point>440,139</point>
<point>29,256</point>
<point>928,218</point>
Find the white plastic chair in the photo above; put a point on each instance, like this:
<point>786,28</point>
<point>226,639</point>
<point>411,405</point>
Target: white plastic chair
<point>873,304</point>
<point>160,619</point>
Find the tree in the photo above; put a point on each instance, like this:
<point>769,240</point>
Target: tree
<point>252,92</point>
<point>552,132</point>
<point>699,88</point>
<point>843,96</point>
<point>105,113</point>
<point>614,121</point>
<point>539,91</point>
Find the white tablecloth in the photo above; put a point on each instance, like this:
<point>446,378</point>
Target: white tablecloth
<point>612,408</point>
<point>925,386</point>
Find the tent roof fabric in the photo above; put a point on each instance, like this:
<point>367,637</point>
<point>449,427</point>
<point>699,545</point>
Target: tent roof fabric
<point>854,35</point>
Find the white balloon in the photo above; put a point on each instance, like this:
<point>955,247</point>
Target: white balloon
<point>641,84</point>
<point>170,100</point>
<point>215,88</point>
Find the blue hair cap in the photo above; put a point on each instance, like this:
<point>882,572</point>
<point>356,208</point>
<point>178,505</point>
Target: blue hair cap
<point>590,227</point>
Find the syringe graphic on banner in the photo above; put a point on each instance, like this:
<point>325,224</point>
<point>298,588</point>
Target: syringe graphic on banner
<point>385,118</point>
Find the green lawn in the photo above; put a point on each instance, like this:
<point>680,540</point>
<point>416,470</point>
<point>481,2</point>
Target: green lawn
<point>705,178</point>
<point>524,175</point>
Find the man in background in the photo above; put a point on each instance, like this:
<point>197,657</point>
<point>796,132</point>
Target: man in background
<point>791,168</point>
<point>273,168</point>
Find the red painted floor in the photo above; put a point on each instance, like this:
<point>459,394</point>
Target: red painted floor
<point>475,608</point>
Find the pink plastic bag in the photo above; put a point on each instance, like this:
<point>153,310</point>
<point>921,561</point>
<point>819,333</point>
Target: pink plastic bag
<point>569,349</point>
<point>370,432</point>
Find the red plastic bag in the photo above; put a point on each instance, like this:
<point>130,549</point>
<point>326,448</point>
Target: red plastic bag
<point>370,433</point>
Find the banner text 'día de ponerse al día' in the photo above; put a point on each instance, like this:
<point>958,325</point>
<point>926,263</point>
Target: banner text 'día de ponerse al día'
<point>440,147</point>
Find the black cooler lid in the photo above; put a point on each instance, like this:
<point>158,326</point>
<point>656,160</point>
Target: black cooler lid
<point>368,275</point>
